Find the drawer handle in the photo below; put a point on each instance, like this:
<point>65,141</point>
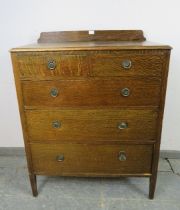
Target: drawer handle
<point>125,92</point>
<point>126,64</point>
<point>54,92</point>
<point>123,125</point>
<point>60,158</point>
<point>122,156</point>
<point>56,124</point>
<point>51,65</point>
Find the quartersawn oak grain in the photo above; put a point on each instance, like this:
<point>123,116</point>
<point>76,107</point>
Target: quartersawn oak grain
<point>94,125</point>
<point>89,64</point>
<point>87,93</point>
<point>111,65</point>
<point>68,64</point>
<point>97,159</point>
<point>88,75</point>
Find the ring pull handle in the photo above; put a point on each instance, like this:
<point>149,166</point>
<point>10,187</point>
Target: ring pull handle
<point>51,64</point>
<point>60,157</point>
<point>125,92</point>
<point>123,125</point>
<point>56,124</point>
<point>54,92</point>
<point>122,156</point>
<point>126,64</point>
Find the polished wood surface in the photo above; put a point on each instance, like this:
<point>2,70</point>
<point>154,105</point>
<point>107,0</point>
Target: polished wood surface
<point>90,64</point>
<point>96,35</point>
<point>35,65</point>
<point>142,64</point>
<point>83,93</point>
<point>91,159</point>
<point>91,45</point>
<point>82,120</point>
<point>91,124</point>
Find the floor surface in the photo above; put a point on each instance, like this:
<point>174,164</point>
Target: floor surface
<point>62,193</point>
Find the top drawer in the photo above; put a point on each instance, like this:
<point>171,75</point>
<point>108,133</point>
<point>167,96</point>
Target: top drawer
<point>126,64</point>
<point>43,65</point>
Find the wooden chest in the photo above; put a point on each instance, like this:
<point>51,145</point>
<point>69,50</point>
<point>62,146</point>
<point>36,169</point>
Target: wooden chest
<point>91,103</point>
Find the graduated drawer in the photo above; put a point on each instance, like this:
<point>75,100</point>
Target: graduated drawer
<point>89,159</point>
<point>70,93</point>
<point>82,125</point>
<point>67,64</point>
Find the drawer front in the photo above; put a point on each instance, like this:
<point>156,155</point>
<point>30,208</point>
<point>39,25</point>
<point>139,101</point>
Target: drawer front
<point>44,65</point>
<point>126,65</point>
<point>120,92</point>
<point>83,159</point>
<point>53,64</point>
<point>82,125</point>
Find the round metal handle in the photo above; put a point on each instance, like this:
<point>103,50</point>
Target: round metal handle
<point>126,64</point>
<point>125,92</point>
<point>123,125</point>
<point>56,124</point>
<point>60,158</point>
<point>54,92</point>
<point>51,64</point>
<point>122,156</point>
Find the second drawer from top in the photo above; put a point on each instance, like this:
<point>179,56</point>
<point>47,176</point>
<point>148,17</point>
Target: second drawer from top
<point>73,93</point>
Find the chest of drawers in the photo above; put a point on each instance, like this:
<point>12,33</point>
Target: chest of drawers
<point>91,104</point>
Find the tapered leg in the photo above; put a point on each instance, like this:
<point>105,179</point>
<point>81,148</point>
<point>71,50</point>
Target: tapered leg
<point>152,185</point>
<point>33,182</point>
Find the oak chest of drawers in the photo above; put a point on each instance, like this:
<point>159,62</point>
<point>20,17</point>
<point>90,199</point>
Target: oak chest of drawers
<point>91,103</point>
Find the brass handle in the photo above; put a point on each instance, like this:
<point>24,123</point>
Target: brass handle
<point>122,156</point>
<point>56,124</point>
<point>60,158</point>
<point>126,64</point>
<point>54,92</point>
<point>51,64</point>
<point>123,125</point>
<point>125,92</point>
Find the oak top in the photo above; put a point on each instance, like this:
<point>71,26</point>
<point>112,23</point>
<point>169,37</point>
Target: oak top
<point>91,40</point>
<point>92,45</point>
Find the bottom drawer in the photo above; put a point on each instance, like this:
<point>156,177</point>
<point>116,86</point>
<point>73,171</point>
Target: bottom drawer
<point>91,159</point>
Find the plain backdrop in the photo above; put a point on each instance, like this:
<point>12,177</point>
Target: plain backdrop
<point>21,21</point>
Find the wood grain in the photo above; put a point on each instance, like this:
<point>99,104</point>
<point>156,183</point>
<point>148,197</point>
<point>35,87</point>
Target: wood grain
<point>83,93</point>
<point>32,176</point>
<point>155,158</point>
<point>93,125</point>
<point>89,76</point>
<point>92,45</point>
<point>91,159</point>
<point>36,65</point>
<point>97,35</point>
<point>111,65</point>
<point>89,64</point>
